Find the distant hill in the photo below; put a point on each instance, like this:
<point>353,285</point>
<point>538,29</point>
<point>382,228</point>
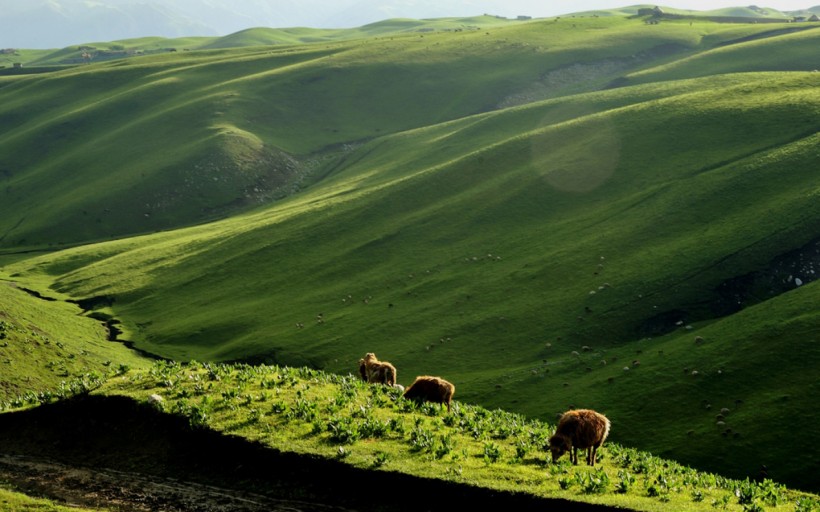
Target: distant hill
<point>49,24</point>
<point>39,24</point>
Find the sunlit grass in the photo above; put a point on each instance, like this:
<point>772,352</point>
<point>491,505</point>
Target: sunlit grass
<point>372,427</point>
<point>12,501</point>
<point>47,345</point>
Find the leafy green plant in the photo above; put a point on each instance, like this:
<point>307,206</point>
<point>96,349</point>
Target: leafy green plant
<point>594,482</point>
<point>806,504</point>
<point>746,492</point>
<point>396,425</point>
<point>659,488</point>
<point>492,452</point>
<point>380,459</point>
<point>305,410</point>
<point>722,502</point>
<point>770,492</point>
<point>625,481</point>
<point>521,449</point>
<point>421,439</point>
<point>343,430</point>
<point>196,413</point>
<point>565,482</point>
<point>372,428</point>
<point>443,446</point>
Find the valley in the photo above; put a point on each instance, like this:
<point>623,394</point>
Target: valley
<point>581,212</point>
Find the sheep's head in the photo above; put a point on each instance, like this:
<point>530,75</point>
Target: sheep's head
<point>559,445</point>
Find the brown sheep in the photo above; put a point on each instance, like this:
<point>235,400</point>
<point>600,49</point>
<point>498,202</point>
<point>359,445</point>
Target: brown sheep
<point>431,389</point>
<point>584,429</point>
<point>374,371</point>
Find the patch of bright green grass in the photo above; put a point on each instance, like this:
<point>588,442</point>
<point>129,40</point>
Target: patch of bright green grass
<point>12,501</point>
<point>47,344</point>
<point>373,427</point>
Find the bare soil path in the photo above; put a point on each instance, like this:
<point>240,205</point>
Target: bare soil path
<point>134,492</point>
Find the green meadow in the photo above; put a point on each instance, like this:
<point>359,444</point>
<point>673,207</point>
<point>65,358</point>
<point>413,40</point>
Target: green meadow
<point>591,212</point>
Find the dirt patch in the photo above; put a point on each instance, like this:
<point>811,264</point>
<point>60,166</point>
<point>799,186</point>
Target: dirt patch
<point>115,452</point>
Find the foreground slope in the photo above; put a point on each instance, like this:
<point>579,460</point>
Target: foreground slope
<point>284,437</point>
<point>649,251</point>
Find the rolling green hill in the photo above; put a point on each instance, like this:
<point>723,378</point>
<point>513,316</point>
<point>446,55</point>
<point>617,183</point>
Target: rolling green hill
<point>168,140</point>
<point>495,207</point>
<point>89,52</point>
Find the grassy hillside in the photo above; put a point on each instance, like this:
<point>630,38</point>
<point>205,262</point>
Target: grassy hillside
<point>258,36</point>
<point>46,343</point>
<point>486,206</point>
<point>795,48</point>
<point>178,138</point>
<point>305,424</point>
<point>751,12</point>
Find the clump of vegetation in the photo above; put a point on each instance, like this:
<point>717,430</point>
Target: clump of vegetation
<point>67,389</point>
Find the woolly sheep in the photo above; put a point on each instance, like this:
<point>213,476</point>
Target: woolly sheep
<point>431,389</point>
<point>374,371</point>
<point>584,429</point>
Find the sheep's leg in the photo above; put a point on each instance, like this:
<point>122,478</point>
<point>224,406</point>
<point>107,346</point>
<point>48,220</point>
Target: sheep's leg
<point>574,456</point>
<point>591,455</point>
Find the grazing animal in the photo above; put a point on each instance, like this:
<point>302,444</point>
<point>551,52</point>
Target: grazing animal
<point>584,429</point>
<point>431,389</point>
<point>374,371</point>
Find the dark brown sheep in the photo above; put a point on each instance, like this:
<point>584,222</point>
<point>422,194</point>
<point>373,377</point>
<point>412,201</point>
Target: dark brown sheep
<point>431,389</point>
<point>584,429</point>
<point>374,371</point>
